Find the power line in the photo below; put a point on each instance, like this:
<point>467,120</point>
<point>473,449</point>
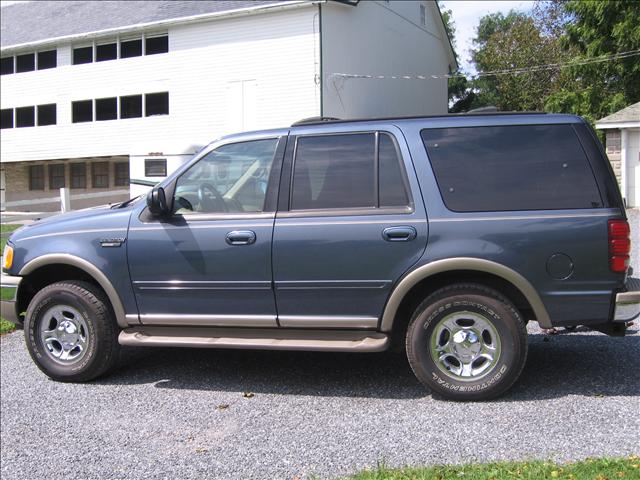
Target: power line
<point>509,71</point>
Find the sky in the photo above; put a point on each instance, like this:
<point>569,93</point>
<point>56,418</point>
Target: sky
<point>466,15</point>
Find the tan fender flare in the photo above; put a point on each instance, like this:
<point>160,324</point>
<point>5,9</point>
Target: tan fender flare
<point>90,269</point>
<point>463,263</point>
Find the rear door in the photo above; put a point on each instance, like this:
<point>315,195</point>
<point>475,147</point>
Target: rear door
<point>347,226</point>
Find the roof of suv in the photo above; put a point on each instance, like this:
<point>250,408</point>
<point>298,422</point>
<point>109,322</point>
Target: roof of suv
<point>332,120</point>
<point>434,121</point>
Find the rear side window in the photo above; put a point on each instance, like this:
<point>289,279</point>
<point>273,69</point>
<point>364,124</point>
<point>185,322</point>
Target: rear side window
<point>339,171</point>
<point>334,171</point>
<point>507,168</point>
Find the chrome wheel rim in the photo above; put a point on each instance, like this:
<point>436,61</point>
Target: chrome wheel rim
<point>465,346</point>
<point>63,332</point>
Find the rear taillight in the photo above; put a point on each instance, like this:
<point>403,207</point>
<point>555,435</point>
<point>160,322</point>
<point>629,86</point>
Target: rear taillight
<point>619,245</point>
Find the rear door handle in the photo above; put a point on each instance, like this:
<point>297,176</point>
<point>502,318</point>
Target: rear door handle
<point>241,237</point>
<point>399,234</point>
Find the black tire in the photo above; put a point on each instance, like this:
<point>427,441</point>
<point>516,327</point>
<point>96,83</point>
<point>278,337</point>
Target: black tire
<point>99,331</point>
<point>488,306</point>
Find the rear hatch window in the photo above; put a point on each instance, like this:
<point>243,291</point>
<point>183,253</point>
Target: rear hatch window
<point>513,167</point>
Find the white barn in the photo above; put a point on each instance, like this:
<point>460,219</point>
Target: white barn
<point>95,94</point>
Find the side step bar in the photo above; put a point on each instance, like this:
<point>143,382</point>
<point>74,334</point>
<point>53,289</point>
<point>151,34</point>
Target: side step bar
<point>255,338</point>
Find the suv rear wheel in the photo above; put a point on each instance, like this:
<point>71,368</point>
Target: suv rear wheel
<point>467,342</point>
<point>70,332</point>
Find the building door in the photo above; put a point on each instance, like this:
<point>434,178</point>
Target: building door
<point>209,264</point>
<point>633,167</point>
<point>241,106</point>
<point>347,230</point>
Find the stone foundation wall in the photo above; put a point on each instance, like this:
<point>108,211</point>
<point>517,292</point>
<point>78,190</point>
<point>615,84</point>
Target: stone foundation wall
<point>18,196</point>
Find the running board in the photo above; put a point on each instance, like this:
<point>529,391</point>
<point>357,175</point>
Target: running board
<point>255,338</point>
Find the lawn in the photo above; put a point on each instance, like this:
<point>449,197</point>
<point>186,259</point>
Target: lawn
<point>590,469</point>
<point>5,229</point>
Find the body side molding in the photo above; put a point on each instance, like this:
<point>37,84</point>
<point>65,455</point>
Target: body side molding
<point>463,263</point>
<point>89,268</point>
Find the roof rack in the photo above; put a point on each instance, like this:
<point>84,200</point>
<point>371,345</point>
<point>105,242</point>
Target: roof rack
<point>315,120</point>
<point>471,113</point>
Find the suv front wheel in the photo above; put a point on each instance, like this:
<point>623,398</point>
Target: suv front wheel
<point>467,342</point>
<point>70,331</point>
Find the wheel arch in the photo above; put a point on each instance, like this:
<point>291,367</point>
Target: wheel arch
<point>91,272</point>
<point>461,268</point>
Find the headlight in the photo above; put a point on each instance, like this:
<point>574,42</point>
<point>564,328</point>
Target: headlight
<point>7,258</point>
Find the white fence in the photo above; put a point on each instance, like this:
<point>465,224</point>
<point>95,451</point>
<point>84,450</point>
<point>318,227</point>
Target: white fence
<point>65,199</point>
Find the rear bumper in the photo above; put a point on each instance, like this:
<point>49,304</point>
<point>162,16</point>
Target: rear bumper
<point>8,295</point>
<point>628,303</point>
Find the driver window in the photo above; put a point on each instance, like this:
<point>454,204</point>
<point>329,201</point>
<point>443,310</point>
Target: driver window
<point>230,179</point>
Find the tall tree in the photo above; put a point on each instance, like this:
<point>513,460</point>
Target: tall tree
<point>518,42</point>
<point>458,87</point>
<point>597,29</point>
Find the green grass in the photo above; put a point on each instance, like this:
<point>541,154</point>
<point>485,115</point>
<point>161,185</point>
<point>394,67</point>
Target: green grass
<point>590,469</point>
<point>5,229</point>
<point>6,327</point>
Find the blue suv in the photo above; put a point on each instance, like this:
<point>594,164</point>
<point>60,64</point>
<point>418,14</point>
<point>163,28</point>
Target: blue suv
<point>442,235</point>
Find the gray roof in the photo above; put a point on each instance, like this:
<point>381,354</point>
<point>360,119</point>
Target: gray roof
<point>41,20</point>
<point>629,114</point>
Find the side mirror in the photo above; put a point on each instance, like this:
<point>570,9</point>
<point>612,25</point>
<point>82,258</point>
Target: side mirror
<point>157,202</point>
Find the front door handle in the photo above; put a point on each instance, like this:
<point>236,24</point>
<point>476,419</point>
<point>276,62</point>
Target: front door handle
<point>241,237</point>
<point>399,234</point>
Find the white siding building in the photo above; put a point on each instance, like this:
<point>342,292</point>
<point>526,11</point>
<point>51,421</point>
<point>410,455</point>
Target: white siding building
<point>622,132</point>
<point>96,93</point>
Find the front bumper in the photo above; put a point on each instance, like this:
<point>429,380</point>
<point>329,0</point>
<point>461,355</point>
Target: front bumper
<point>628,303</point>
<point>8,295</point>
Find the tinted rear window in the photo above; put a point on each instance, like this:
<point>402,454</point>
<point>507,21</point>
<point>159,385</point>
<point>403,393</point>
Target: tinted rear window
<point>506,168</point>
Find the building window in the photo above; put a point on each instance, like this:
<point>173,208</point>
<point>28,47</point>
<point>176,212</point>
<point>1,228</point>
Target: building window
<point>25,117</point>
<point>121,174</point>
<point>25,63</point>
<point>106,108</point>
<point>423,15</point>
<point>131,48</point>
<point>6,65</point>
<point>82,111</point>
<point>108,51</point>
<point>47,114</point>
<point>131,106</point>
<point>155,167</point>
<point>156,104</point>
<point>78,175</point>
<point>36,177</point>
<point>6,118</point>
<point>100,174</point>
<point>155,45</point>
<point>48,59</point>
<point>82,55</point>
<point>56,176</point>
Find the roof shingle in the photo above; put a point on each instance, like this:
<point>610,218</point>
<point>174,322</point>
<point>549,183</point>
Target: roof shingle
<point>629,114</point>
<point>41,20</point>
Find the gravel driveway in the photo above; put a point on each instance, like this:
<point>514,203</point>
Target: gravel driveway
<point>172,413</point>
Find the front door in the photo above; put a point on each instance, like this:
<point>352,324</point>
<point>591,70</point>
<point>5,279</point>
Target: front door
<point>209,264</point>
<point>347,227</point>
